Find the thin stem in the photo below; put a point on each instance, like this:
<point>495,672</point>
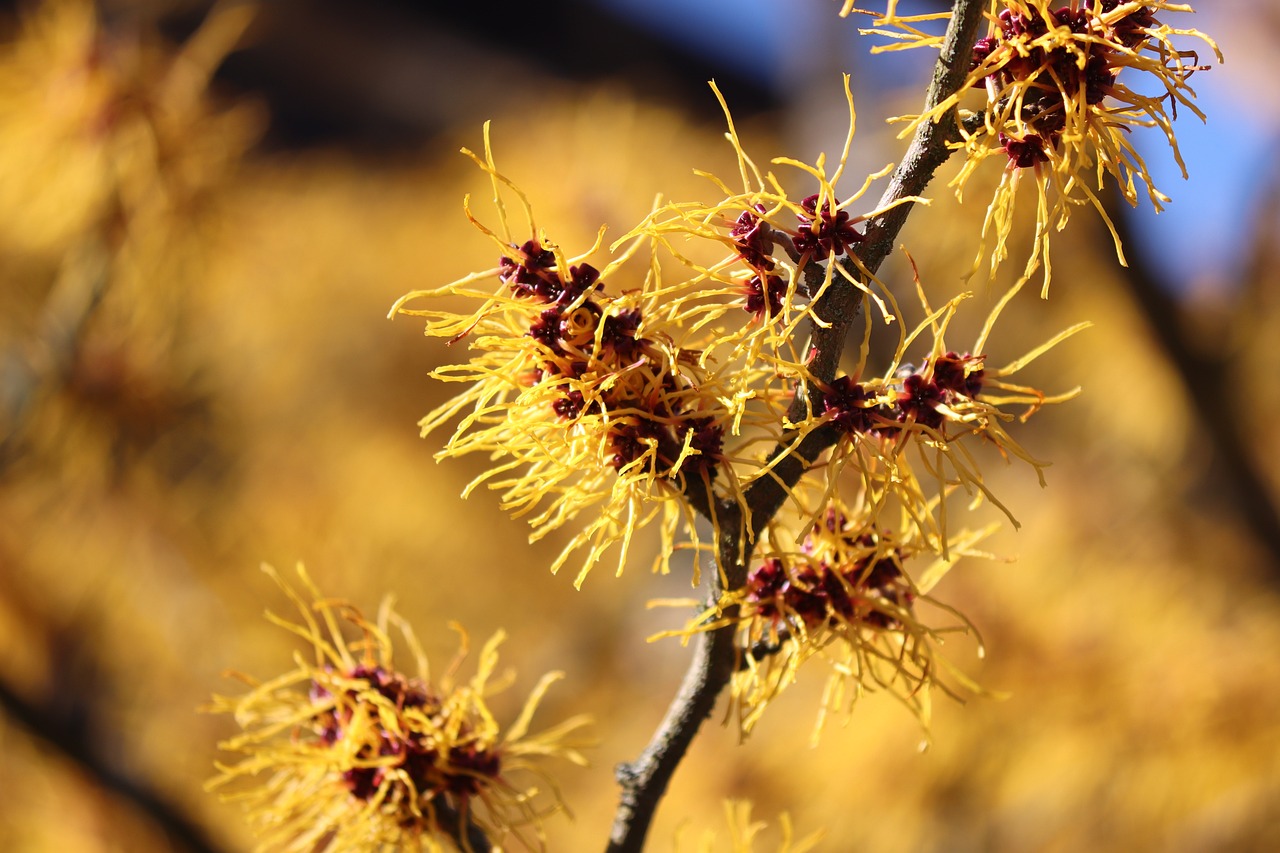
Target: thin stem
<point>645,780</point>
<point>461,829</point>
<point>929,149</point>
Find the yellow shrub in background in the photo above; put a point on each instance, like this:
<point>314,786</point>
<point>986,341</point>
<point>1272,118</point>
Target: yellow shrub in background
<point>233,394</point>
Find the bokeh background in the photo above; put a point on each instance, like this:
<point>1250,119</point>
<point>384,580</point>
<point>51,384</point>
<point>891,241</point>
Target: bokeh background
<point>204,217</point>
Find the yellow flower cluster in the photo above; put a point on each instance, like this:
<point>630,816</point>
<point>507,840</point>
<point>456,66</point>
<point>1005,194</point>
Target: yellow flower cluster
<point>358,755</point>
<point>624,402</point>
<point>592,398</point>
<point>639,403</point>
<point>611,407</point>
<point>1063,88</point>
<point>831,583</point>
<point>938,409</point>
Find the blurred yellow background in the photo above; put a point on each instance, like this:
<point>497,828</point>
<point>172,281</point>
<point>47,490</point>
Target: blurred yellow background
<point>197,376</point>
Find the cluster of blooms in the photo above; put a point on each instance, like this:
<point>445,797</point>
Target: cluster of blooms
<point>639,403</point>
<point>361,756</point>
<point>925,395</point>
<point>596,363</point>
<point>936,408</point>
<point>843,595</point>
<point>780,251</point>
<point>1057,107</point>
<point>629,402</point>
<point>597,399</point>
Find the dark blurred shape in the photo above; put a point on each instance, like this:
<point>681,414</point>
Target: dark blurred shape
<point>386,75</point>
<point>64,727</point>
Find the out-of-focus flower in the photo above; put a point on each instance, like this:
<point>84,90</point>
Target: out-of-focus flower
<point>1062,83</point>
<point>843,595</point>
<point>744,834</point>
<point>115,157</point>
<point>357,754</point>
<point>103,131</point>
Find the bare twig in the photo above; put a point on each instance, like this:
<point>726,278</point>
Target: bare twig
<point>644,781</point>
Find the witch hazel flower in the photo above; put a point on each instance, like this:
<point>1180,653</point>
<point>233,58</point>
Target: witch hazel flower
<point>349,751</point>
<point>756,250</point>
<point>1065,86</point>
<point>913,423</point>
<point>608,406</point>
<point>764,229</point>
<point>843,596</point>
<point>596,406</point>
